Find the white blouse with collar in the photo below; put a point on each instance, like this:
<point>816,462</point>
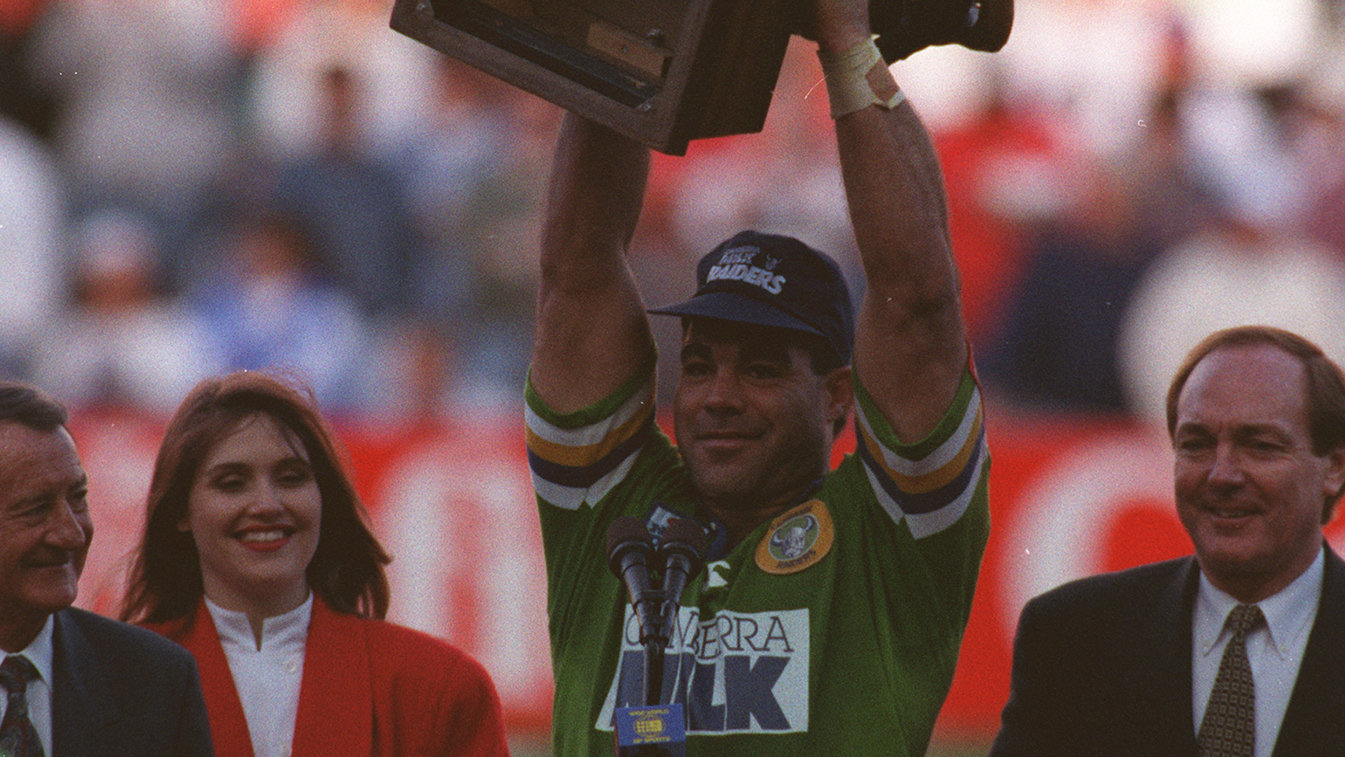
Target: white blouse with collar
<point>267,678</point>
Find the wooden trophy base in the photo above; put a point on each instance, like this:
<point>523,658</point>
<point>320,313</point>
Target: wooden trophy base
<point>662,72</point>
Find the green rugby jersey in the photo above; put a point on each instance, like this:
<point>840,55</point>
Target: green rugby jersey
<point>834,627</point>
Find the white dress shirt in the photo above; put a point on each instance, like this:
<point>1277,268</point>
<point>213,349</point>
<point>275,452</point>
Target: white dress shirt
<point>267,677</point>
<point>1274,649</point>
<point>38,652</point>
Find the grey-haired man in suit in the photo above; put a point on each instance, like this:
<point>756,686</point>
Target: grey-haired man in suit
<point>77,684</point>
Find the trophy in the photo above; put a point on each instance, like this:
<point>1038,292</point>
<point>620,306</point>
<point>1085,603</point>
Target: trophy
<point>665,72</point>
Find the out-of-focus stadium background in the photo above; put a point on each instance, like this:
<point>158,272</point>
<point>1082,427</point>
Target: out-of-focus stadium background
<point>190,186</point>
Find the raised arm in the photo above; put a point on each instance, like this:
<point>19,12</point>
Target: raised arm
<point>910,345</point>
<point>592,332</point>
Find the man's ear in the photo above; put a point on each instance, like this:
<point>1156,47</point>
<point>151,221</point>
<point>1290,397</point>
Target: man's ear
<point>1334,480</point>
<point>840,393</point>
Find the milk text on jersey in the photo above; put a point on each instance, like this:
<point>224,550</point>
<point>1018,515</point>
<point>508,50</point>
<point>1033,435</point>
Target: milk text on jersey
<point>736,264</point>
<point>732,672</point>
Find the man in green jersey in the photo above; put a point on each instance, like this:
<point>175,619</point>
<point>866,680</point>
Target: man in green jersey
<point>833,602</point>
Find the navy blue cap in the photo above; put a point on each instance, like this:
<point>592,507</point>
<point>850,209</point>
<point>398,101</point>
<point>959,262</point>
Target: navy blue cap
<point>773,280</point>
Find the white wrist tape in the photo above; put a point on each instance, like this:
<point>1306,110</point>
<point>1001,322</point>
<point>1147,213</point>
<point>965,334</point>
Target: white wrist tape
<point>858,78</point>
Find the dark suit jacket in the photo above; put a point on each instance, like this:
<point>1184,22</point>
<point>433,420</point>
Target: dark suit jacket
<point>1102,666</point>
<point>121,691</point>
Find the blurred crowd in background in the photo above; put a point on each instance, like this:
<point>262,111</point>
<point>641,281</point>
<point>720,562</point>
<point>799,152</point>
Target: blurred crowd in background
<point>188,187</point>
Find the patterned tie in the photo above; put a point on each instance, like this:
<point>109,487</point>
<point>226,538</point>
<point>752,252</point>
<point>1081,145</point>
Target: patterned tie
<point>1229,727</point>
<point>18,737</point>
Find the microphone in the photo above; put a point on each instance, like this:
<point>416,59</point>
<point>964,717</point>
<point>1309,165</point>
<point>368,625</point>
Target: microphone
<point>630,548</point>
<point>681,549</point>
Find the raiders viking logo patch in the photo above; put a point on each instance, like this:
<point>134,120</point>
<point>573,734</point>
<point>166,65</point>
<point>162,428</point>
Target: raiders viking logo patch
<point>797,539</point>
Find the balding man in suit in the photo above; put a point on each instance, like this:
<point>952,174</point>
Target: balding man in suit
<point>1240,649</point>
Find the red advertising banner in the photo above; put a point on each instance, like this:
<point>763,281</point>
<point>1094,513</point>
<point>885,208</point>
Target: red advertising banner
<point>454,506</point>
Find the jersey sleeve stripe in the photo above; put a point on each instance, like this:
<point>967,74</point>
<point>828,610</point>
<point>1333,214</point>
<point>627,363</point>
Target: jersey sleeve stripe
<point>572,461</point>
<point>908,466</point>
<point>930,523</point>
<point>911,502</point>
<point>578,448</point>
<point>584,475</point>
<point>936,470</point>
<point>573,497</point>
<point>931,483</point>
<point>590,426</point>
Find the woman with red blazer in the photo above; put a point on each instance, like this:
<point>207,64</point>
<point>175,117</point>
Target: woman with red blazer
<point>258,558</point>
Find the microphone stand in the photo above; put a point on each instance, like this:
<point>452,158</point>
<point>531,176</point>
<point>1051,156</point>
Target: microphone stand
<point>655,643</point>
<point>656,729</point>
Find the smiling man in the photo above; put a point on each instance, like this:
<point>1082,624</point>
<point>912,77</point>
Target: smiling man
<point>834,601</point>
<point>1240,649</point>
<point>77,684</point>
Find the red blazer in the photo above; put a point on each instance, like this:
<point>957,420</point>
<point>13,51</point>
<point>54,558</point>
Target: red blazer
<point>369,688</point>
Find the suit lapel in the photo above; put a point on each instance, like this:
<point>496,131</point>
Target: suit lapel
<point>1312,722</point>
<point>82,699</point>
<point>1163,680</point>
<point>336,701</point>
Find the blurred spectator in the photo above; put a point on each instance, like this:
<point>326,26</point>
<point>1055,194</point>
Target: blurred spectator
<point>1245,267</point>
<point>1057,349</point>
<point>270,308</point>
<point>122,342</point>
<point>355,206</point>
<point>505,225</point>
<point>450,161</point>
<point>754,182</point>
<point>395,73</point>
<point>1253,43</point>
<point>475,187</point>
<point>1093,63</point>
<point>19,98</point>
<point>146,107</point>
<point>1319,143</point>
<point>411,378</point>
<point>1005,170</point>
<point>32,217</point>
<point>1171,202</point>
<point>1241,152</point>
